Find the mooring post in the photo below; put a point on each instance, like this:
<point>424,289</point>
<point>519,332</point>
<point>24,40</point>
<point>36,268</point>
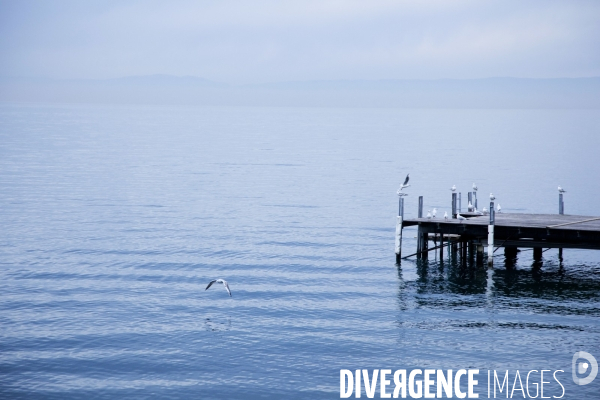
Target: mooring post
<point>459,203</point>
<point>453,205</point>
<point>420,230</point>
<point>561,211</point>
<point>470,198</point>
<point>491,235</point>
<point>399,230</point>
<point>561,204</point>
<point>475,200</point>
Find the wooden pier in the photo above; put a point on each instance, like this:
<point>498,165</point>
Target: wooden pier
<point>510,231</point>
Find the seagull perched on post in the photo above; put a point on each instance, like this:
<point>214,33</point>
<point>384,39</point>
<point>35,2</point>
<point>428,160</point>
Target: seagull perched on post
<point>434,212</point>
<point>474,187</point>
<point>561,190</point>
<point>453,188</point>
<point>492,197</point>
<point>223,281</point>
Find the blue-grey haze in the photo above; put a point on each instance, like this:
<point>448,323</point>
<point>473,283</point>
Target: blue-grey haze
<point>493,93</point>
<point>114,219</point>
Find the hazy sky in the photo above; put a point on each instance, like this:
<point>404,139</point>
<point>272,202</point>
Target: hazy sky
<point>267,41</point>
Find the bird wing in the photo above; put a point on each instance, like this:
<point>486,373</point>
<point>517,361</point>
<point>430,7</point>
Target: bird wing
<point>227,287</point>
<point>210,284</point>
<point>406,180</point>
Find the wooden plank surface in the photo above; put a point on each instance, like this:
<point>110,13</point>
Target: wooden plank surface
<point>575,222</point>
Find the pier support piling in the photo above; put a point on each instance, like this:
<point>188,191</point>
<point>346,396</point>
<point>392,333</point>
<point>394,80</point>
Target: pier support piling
<point>537,254</point>
<point>479,258</point>
<point>510,256</point>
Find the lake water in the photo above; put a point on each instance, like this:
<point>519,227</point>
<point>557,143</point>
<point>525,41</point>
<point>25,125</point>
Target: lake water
<point>114,219</point>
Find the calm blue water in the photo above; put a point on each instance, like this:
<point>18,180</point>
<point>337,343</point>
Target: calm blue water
<point>114,219</point>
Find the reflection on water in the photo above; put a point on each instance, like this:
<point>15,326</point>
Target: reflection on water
<point>547,279</point>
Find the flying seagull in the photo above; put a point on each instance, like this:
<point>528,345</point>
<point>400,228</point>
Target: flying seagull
<point>474,187</point>
<point>224,282</point>
<point>492,197</point>
<point>561,190</point>
<point>453,188</point>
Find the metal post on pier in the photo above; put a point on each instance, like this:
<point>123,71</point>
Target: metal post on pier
<point>399,230</point>
<point>470,198</point>
<point>459,203</point>
<point>419,229</point>
<point>453,205</point>
<point>491,235</point>
<point>475,200</point>
<point>561,204</point>
<point>561,211</point>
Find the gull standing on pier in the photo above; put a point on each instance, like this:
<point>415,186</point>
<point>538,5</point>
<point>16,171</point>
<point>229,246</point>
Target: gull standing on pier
<point>470,207</point>
<point>484,210</point>
<point>434,212</point>
<point>446,215</point>
<point>561,190</point>
<point>428,214</point>
<point>460,217</point>
<point>223,281</point>
<point>499,208</point>
<point>453,188</point>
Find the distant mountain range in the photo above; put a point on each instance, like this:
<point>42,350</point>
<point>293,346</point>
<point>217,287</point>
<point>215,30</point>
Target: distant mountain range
<point>442,93</point>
